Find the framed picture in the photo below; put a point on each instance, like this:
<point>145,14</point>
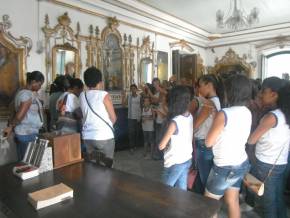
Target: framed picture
<point>11,75</point>
<point>13,53</point>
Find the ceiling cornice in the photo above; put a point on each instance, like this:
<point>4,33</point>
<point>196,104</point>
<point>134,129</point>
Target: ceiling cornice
<point>139,15</point>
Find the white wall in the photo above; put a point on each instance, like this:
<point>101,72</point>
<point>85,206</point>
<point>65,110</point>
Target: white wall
<point>23,15</point>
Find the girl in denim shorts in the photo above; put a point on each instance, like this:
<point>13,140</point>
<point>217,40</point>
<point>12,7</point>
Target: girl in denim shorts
<point>227,137</point>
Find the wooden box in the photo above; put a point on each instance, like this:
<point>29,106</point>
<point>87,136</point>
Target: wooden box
<point>66,149</point>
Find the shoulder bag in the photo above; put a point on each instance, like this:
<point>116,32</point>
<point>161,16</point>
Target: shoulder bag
<point>99,115</point>
<point>254,184</point>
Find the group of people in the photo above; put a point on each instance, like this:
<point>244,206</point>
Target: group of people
<point>72,110</point>
<point>148,108</point>
<point>236,124</point>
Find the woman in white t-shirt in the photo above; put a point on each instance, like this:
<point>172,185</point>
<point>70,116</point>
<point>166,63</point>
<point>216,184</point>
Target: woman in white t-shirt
<point>272,139</point>
<point>28,118</point>
<point>227,138</point>
<point>177,141</point>
<point>68,107</point>
<point>98,117</point>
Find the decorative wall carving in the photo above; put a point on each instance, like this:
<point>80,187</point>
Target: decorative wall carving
<point>231,62</point>
<point>182,44</point>
<point>145,59</point>
<point>13,54</point>
<point>114,55</point>
<point>61,43</point>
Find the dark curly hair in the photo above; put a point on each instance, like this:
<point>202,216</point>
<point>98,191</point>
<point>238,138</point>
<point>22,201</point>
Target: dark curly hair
<point>92,76</point>
<point>178,101</point>
<point>284,101</point>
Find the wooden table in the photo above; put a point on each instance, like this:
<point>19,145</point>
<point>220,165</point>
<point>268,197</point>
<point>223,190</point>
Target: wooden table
<point>102,192</point>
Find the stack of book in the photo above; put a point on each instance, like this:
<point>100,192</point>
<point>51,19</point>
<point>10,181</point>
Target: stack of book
<point>25,171</point>
<point>49,196</point>
<point>29,167</point>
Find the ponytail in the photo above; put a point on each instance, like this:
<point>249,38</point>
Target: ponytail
<point>34,76</point>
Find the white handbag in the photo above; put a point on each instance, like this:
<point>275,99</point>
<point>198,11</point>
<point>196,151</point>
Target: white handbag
<point>255,184</point>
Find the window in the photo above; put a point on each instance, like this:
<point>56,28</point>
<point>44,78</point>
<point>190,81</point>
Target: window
<point>277,64</point>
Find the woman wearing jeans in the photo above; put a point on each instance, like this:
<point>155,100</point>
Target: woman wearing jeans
<point>28,118</point>
<point>272,138</point>
<point>209,88</point>
<point>177,155</point>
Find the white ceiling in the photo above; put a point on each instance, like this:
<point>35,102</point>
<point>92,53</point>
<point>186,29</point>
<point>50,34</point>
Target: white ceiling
<point>201,13</point>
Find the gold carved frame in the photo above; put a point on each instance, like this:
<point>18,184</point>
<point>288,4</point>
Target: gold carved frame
<point>94,47</point>
<point>66,47</point>
<point>146,50</point>
<point>60,36</point>
<point>94,42</point>
<point>111,28</point>
<point>231,59</point>
<point>21,47</point>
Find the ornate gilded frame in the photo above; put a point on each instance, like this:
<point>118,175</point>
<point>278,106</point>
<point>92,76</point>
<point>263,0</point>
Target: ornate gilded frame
<point>66,47</point>
<point>94,43</point>
<point>182,44</point>
<point>20,46</point>
<point>64,33</point>
<point>111,28</point>
<point>94,46</point>
<point>145,51</point>
<point>231,59</point>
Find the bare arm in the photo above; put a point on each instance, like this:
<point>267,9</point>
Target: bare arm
<point>162,90</point>
<point>163,112</point>
<point>207,109</point>
<point>215,130</point>
<point>170,131</point>
<point>193,107</point>
<point>203,115</point>
<point>267,122</point>
<point>20,114</point>
<point>154,99</point>
<point>110,108</point>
